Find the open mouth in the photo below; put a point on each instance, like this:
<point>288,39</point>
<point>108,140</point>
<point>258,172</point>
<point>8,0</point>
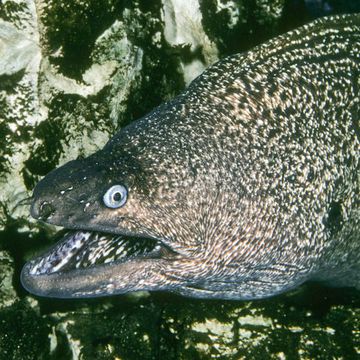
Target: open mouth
<point>81,259</point>
<point>84,249</point>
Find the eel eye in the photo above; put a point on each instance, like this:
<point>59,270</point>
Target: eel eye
<point>115,197</point>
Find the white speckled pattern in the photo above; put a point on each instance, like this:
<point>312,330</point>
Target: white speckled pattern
<point>250,177</point>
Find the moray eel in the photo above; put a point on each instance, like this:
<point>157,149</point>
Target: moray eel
<point>244,186</point>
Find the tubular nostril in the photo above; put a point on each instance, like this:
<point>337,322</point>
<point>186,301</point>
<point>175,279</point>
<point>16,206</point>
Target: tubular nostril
<point>42,210</point>
<point>46,210</point>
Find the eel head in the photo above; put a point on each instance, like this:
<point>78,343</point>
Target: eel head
<point>116,206</point>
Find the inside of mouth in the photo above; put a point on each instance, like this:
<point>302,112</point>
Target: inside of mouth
<point>83,249</point>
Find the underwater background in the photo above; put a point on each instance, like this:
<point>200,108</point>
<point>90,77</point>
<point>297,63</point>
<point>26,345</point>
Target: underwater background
<point>71,74</point>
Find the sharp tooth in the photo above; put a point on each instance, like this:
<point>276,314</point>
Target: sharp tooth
<point>120,250</point>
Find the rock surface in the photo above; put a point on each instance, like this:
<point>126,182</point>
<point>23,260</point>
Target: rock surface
<point>71,73</point>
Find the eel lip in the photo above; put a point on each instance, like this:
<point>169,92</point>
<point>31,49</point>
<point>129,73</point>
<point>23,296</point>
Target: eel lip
<point>80,256</point>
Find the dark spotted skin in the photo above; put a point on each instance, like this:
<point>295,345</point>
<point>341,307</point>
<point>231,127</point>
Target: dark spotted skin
<point>249,179</point>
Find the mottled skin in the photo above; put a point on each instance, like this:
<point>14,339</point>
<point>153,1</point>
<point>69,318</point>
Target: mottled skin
<point>249,179</point>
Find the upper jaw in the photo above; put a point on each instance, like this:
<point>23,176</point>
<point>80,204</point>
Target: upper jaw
<point>82,249</point>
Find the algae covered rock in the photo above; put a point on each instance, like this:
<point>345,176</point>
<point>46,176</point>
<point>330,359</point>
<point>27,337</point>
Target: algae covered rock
<point>71,74</point>
<point>23,333</point>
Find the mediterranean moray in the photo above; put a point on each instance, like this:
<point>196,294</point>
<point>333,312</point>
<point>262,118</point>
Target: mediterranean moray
<point>244,186</point>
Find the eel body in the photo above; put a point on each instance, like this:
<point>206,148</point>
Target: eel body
<point>244,186</point>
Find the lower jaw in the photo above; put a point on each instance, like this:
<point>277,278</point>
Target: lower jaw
<point>90,282</point>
